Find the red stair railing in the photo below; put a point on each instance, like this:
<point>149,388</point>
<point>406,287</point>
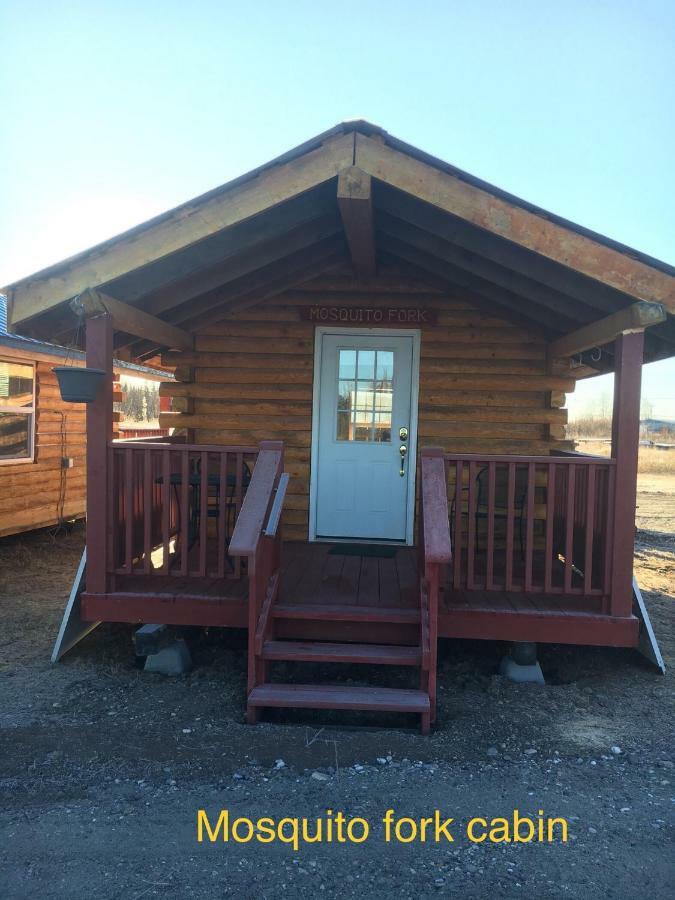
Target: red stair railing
<point>257,538</point>
<point>434,555</point>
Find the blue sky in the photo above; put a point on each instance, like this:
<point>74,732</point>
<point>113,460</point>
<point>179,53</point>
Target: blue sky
<point>113,112</point>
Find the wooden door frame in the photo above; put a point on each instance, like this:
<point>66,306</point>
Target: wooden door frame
<point>416,336</point>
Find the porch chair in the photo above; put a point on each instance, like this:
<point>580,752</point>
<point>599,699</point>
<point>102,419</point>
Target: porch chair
<point>501,499</point>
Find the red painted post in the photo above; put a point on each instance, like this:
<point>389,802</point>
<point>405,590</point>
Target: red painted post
<point>628,353</point>
<point>99,346</point>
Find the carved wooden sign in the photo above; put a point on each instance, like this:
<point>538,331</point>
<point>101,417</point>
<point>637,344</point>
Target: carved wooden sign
<point>369,315</point>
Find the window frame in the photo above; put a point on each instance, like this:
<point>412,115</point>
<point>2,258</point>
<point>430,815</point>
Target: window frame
<point>22,410</point>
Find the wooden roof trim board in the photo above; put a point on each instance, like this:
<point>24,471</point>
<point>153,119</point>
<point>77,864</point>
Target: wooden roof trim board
<point>516,224</point>
<point>186,225</point>
<point>389,164</point>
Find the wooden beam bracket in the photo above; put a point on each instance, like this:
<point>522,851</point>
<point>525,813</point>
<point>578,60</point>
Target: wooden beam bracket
<point>133,321</point>
<point>634,318</point>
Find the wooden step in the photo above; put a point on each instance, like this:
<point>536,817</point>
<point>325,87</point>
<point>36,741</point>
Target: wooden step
<point>345,613</point>
<point>318,651</point>
<point>328,696</point>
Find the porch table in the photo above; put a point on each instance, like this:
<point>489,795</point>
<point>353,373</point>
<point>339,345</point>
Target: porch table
<point>214,491</point>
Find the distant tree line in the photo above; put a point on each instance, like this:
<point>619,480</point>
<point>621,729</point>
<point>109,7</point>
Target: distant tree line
<point>141,404</point>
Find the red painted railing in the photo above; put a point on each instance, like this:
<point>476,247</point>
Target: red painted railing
<point>257,538</point>
<point>434,555</point>
<point>172,507</point>
<point>530,523</point>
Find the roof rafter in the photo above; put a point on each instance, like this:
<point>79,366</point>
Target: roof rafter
<point>506,304</point>
<point>482,268</point>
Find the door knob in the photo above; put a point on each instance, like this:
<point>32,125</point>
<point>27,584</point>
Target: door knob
<point>403,433</point>
<point>402,450</point>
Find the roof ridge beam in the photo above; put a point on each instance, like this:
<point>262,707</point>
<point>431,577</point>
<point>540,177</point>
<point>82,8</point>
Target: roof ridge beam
<point>355,201</point>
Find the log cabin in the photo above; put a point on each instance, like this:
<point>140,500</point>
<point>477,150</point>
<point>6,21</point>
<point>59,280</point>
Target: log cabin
<point>372,350</point>
<point>42,437</point>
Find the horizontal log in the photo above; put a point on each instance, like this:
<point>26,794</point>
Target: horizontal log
<point>45,452</point>
<point>430,413</point>
<point>448,363</point>
<point>227,390</point>
<point>430,431</point>
<point>525,384</point>
<point>221,420</point>
<point>19,503</point>
<point>220,360</point>
<point>268,315</point>
<point>255,346</point>
<point>291,439</point>
<point>41,517</point>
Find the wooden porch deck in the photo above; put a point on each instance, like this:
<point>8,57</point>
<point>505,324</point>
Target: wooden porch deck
<point>326,594</point>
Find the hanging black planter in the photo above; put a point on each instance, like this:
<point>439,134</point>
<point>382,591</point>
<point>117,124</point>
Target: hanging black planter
<point>79,385</point>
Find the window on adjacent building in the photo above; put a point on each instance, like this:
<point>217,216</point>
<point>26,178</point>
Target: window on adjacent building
<point>17,410</point>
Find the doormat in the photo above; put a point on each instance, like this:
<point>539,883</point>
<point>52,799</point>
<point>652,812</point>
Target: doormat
<point>376,550</point>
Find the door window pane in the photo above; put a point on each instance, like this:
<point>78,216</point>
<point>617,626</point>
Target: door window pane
<point>347,368</point>
<point>364,403</point>
<point>366,367</point>
<point>385,366</point>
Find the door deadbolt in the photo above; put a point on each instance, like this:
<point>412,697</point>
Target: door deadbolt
<point>403,433</point>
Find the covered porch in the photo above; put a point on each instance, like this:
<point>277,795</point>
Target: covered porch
<point>473,314</point>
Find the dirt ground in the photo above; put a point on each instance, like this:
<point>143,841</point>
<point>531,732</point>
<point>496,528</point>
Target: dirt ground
<point>103,767</point>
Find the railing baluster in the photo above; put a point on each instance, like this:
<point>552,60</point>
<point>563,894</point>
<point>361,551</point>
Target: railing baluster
<point>510,513</point>
<point>166,507</point>
<point>608,534</point>
<point>590,528</point>
<point>128,510</point>
<point>184,512</point>
<point>238,494</point>
<point>489,569</point>
<point>147,511</point>
<point>550,512</point>
<point>457,549</point>
<point>471,542</point>
<point>569,528</point>
<point>222,514</point>
<point>114,488</point>
<point>203,510</point>
<point>529,532</point>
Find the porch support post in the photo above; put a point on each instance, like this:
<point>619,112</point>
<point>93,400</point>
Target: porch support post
<point>99,347</point>
<point>628,353</point>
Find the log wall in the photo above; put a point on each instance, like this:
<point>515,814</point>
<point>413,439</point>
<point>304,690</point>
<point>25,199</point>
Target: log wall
<point>485,386</point>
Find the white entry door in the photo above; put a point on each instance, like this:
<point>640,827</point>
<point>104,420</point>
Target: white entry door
<point>364,456</point>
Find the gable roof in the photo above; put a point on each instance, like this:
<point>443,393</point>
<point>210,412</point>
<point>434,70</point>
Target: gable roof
<point>280,225</point>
